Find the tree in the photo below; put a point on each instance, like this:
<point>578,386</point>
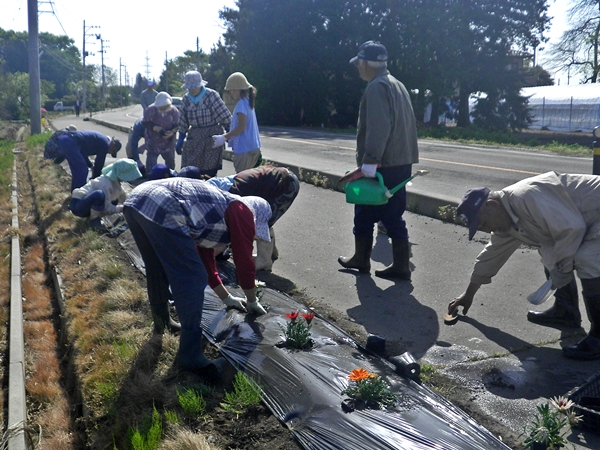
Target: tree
<point>59,60</point>
<point>579,46</point>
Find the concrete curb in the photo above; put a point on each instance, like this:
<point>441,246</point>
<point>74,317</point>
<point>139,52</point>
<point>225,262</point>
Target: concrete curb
<point>439,207</point>
<point>17,405</point>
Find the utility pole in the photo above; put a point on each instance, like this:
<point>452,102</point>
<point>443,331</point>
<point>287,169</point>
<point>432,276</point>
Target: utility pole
<point>85,36</point>
<point>166,73</point>
<point>103,89</point>
<point>198,53</point>
<point>35,107</point>
<point>147,66</point>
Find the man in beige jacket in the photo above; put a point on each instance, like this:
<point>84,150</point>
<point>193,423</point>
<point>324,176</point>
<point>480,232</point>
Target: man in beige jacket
<point>559,214</point>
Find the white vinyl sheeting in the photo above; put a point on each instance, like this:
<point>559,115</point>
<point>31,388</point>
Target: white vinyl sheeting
<point>572,108</point>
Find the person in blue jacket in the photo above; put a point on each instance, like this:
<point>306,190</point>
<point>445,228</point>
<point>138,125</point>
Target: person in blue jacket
<point>77,147</point>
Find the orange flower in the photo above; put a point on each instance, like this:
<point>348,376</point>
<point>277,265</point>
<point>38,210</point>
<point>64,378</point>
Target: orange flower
<point>292,316</point>
<point>359,374</point>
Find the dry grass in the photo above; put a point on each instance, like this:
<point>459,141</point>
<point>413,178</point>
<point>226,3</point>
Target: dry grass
<point>183,439</point>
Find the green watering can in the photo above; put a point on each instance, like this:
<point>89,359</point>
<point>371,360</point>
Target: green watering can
<point>369,191</point>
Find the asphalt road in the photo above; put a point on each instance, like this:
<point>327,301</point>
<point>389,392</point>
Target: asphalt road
<point>505,365</point>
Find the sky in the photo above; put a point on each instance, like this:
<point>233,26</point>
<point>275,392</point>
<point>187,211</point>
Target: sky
<point>138,36</point>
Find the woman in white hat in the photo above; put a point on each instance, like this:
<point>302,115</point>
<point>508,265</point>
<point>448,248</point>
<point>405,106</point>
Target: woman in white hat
<point>203,114</point>
<point>161,120</point>
<point>243,138</point>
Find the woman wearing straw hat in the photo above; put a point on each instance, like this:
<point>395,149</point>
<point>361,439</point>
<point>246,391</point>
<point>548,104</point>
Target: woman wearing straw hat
<point>243,138</point>
<point>203,114</point>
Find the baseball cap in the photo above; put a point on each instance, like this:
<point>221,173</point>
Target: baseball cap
<point>371,51</point>
<point>468,209</point>
<point>160,171</point>
<point>190,172</point>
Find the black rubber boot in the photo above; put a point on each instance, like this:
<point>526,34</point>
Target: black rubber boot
<point>589,347</point>
<point>162,319</point>
<point>400,268</point>
<point>190,357</point>
<point>361,260</point>
<point>565,310</point>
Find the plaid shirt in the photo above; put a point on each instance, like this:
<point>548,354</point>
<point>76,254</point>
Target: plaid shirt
<point>209,111</point>
<point>195,207</point>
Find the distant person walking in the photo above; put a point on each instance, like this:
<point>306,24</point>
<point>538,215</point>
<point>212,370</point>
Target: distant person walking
<point>77,107</point>
<point>76,147</point>
<point>203,115</point>
<point>386,142</point>
<point>244,137</point>
<point>148,95</point>
<point>161,120</point>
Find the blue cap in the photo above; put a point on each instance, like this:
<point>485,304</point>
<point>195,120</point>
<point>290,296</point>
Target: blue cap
<point>160,171</point>
<point>190,172</point>
<point>468,209</point>
<point>371,51</point>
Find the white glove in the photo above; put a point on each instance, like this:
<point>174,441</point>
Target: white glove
<point>218,140</point>
<point>256,308</point>
<point>119,208</point>
<point>235,302</point>
<point>369,170</point>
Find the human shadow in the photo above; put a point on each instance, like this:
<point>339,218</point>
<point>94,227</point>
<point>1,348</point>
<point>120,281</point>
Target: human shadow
<point>396,315</point>
<point>540,371</point>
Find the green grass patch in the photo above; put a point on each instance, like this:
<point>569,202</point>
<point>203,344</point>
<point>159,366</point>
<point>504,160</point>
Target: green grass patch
<point>192,402</point>
<point>150,436</point>
<point>6,165</point>
<point>245,393</point>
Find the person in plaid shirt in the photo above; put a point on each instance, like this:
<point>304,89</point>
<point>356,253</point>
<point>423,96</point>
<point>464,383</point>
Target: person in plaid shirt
<point>203,114</point>
<point>168,219</point>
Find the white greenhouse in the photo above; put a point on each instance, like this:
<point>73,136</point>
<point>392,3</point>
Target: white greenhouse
<point>565,108</point>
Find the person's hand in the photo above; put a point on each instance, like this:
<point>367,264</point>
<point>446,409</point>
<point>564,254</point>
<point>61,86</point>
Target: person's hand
<point>238,303</point>
<point>462,300</point>
<point>169,134</point>
<point>218,140</point>
<point>156,128</point>
<point>369,170</point>
<point>119,208</point>
<point>256,308</point>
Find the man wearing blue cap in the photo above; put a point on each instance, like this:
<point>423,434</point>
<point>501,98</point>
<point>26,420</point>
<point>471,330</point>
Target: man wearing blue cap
<point>560,215</point>
<point>386,142</point>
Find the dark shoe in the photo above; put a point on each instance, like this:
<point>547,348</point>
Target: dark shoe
<point>213,372</point>
<point>587,348</point>
<point>554,316</point>
<point>361,260</point>
<point>565,310</point>
<point>400,268</point>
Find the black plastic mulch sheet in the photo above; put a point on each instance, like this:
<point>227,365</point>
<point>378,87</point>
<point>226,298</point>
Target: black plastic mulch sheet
<point>303,387</point>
